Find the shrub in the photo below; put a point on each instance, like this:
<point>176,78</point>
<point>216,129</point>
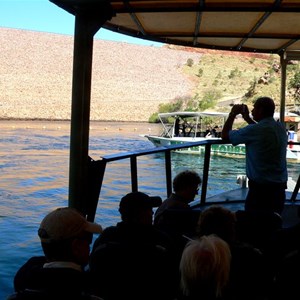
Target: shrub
<point>208,100</point>
<point>215,82</point>
<point>154,118</point>
<point>234,73</point>
<point>295,81</point>
<point>200,72</point>
<point>252,60</point>
<point>191,105</point>
<point>189,62</point>
<point>251,90</point>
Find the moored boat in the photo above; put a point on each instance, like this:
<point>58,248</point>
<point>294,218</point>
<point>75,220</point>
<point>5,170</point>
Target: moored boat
<point>192,127</point>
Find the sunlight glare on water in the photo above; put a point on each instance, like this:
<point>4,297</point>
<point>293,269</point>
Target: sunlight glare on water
<point>34,164</point>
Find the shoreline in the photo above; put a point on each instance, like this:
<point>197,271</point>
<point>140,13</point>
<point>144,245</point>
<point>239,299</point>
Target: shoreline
<point>96,127</point>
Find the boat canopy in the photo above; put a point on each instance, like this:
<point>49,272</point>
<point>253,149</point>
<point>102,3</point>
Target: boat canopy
<point>267,26</point>
<point>190,114</point>
<point>287,114</point>
<point>193,114</point>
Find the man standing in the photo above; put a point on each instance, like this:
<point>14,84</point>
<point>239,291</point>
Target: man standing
<point>266,142</point>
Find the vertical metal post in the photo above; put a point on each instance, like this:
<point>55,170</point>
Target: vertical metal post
<point>95,180</point>
<point>205,173</point>
<point>88,20</point>
<point>134,180</point>
<point>168,172</point>
<point>296,190</point>
<point>283,63</point>
<point>80,114</point>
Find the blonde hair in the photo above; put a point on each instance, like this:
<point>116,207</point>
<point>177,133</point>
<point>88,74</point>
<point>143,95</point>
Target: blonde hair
<point>205,265</point>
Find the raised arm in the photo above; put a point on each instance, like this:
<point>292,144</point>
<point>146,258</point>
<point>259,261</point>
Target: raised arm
<point>246,116</point>
<point>236,109</point>
<point>228,126</point>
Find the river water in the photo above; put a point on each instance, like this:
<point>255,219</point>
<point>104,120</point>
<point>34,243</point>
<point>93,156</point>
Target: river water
<point>34,158</point>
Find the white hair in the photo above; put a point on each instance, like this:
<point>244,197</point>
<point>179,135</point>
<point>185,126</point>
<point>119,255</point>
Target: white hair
<point>205,262</point>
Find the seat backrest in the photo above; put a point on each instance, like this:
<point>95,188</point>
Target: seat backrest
<point>182,221</point>
<point>131,271</point>
<point>257,228</point>
<point>44,295</point>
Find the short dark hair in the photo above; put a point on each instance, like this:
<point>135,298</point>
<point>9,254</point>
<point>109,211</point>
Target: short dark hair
<point>133,203</point>
<point>185,179</point>
<point>217,220</point>
<point>267,105</point>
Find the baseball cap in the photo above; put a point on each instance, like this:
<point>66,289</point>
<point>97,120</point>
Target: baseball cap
<point>136,201</point>
<point>65,223</point>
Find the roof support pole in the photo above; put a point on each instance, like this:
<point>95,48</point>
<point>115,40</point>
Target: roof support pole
<point>80,113</point>
<point>86,25</point>
<point>283,63</point>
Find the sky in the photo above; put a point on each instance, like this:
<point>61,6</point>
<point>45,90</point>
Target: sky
<point>44,16</point>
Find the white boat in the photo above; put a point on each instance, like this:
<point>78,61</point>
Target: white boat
<point>193,127</point>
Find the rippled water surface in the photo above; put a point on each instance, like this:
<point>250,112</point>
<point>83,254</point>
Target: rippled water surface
<point>34,158</point>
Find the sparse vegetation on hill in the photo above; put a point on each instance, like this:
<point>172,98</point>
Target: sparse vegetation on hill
<point>223,79</point>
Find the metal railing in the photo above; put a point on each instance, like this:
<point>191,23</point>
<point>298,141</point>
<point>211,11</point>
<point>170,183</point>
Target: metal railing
<point>97,170</point>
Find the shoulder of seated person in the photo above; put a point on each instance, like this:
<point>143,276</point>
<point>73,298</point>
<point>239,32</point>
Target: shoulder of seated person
<point>246,248</point>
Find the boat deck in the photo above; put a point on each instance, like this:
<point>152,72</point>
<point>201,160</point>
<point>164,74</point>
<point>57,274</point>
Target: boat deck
<point>240,194</point>
<point>234,200</point>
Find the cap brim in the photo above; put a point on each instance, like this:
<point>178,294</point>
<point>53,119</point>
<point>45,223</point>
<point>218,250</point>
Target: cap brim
<point>93,227</point>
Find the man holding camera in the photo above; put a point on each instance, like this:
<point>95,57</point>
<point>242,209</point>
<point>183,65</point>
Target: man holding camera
<point>266,142</point>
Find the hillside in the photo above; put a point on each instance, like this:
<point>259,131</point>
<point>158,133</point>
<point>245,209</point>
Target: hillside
<point>129,81</point>
<point>231,75</point>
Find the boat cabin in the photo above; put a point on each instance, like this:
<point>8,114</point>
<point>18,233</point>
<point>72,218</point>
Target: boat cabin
<point>192,124</point>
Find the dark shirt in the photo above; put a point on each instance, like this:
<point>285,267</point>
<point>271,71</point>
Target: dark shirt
<point>133,261</point>
<point>132,234</point>
<point>174,215</point>
<point>249,278</point>
<point>59,283</point>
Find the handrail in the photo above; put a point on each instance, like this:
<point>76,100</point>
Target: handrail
<point>167,151</point>
<point>98,175</point>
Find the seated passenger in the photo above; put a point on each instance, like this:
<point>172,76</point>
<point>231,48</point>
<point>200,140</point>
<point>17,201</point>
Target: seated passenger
<point>176,127</point>
<point>258,227</point>
<point>205,268</point>
<point>134,260</point>
<point>174,214</point>
<point>210,132</point>
<point>65,238</point>
<point>282,243</point>
<point>249,278</point>
<point>287,278</point>
<point>185,186</point>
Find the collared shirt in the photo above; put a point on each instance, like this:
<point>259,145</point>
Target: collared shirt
<point>266,143</point>
<point>174,201</point>
<point>63,264</point>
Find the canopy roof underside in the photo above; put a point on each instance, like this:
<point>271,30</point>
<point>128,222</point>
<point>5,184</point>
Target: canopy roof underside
<point>265,26</point>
